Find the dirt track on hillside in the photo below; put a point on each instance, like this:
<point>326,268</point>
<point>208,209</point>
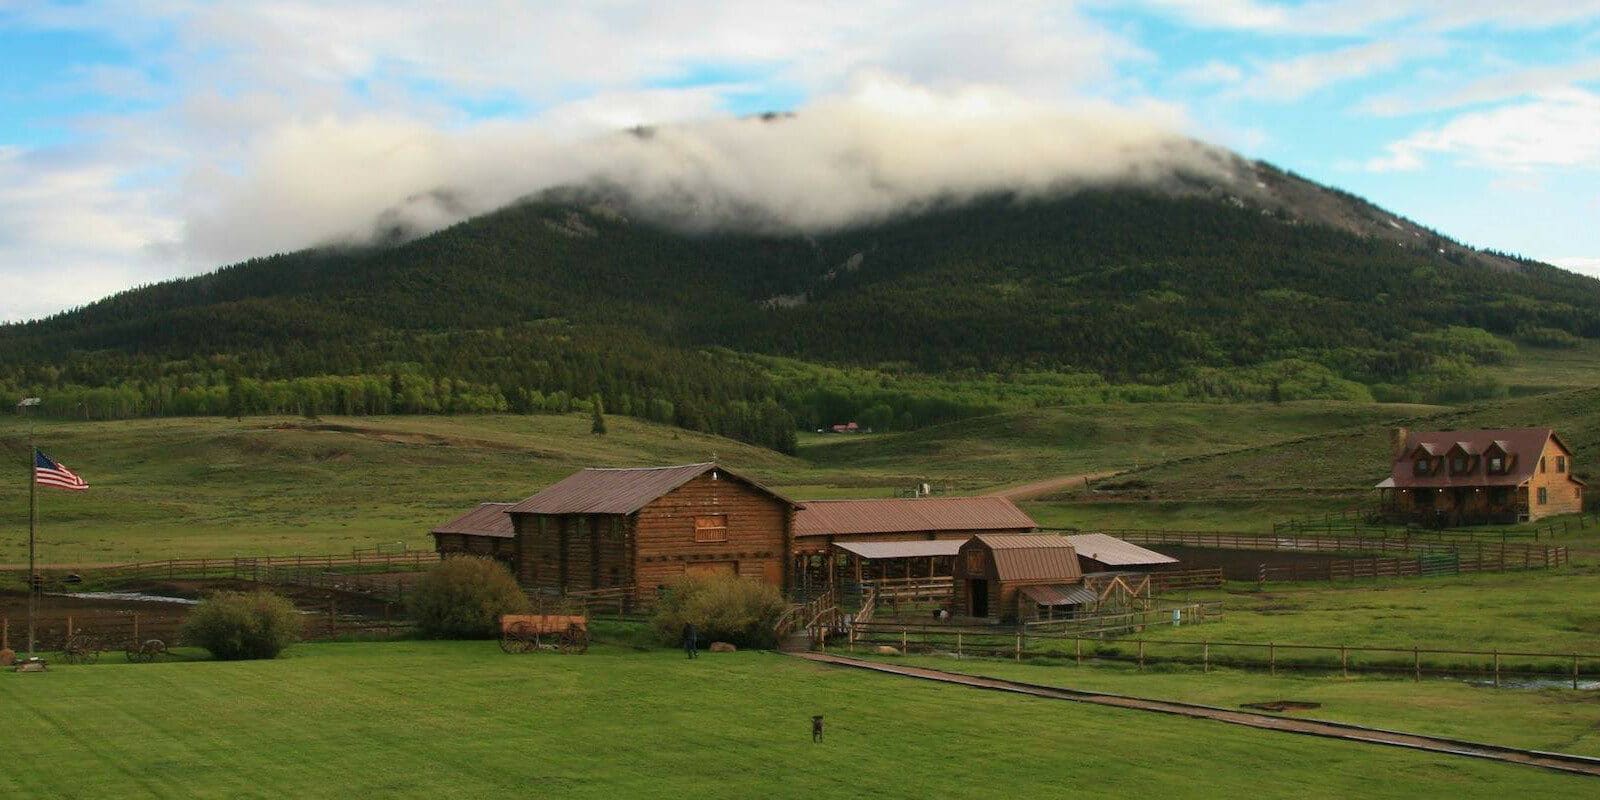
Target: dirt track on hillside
<point>1049,486</point>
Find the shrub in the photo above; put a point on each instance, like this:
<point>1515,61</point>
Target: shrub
<point>722,608</point>
<point>463,597</point>
<point>243,625</point>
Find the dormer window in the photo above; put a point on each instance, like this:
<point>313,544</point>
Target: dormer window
<point>1424,466</point>
<point>1459,465</point>
<point>1497,465</point>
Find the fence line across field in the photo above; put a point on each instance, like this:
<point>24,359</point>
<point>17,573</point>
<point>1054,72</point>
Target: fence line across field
<point>115,630</point>
<point>1494,665</point>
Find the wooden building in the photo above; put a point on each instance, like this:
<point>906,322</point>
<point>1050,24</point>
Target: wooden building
<point>601,528</point>
<point>483,531</point>
<point>1500,475</point>
<point>820,524</point>
<point>1013,577</point>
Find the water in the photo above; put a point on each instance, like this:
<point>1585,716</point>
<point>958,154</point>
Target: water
<point>132,597</point>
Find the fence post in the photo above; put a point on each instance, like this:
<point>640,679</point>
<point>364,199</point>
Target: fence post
<point>1019,654</point>
<point>1497,668</point>
<point>1272,658</point>
<point>903,646</point>
<point>1574,670</point>
<point>1141,654</point>
<point>1344,660</point>
<point>1205,656</point>
<point>958,644</point>
<point>1416,662</point>
<point>136,626</point>
<point>1077,646</point>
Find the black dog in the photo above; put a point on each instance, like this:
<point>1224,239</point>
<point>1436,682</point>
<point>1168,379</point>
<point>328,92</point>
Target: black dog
<point>816,728</point>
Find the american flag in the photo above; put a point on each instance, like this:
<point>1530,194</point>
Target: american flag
<point>50,472</point>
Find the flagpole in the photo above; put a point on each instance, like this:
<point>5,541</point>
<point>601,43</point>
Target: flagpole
<point>33,525</point>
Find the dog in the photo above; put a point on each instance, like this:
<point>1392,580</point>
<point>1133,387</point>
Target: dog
<point>816,728</point>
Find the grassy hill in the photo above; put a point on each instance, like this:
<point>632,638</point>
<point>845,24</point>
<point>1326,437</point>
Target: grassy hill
<point>337,720</point>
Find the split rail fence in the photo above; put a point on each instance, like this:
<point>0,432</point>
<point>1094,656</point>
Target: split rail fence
<point>1493,667</point>
<point>1421,557</point>
<point>116,630</point>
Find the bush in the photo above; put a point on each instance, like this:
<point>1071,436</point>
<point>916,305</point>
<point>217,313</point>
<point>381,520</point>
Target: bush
<point>243,625</point>
<point>462,597</point>
<point>722,608</point>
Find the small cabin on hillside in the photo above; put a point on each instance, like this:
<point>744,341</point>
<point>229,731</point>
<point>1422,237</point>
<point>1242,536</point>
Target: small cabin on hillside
<point>1014,577</point>
<point>1500,475</point>
<point>602,528</point>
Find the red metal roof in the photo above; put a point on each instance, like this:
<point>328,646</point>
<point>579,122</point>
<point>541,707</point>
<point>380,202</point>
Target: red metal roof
<point>1522,446</point>
<point>488,519</point>
<point>1114,552</point>
<point>619,491</point>
<point>1044,558</point>
<point>909,515</point>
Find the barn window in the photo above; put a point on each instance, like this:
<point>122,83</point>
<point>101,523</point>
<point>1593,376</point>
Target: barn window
<point>974,561</point>
<point>1544,495</point>
<point>711,528</point>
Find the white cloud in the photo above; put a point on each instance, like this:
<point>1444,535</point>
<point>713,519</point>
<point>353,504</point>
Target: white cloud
<point>1503,85</point>
<point>1211,73</point>
<point>1295,78</point>
<point>1586,265</point>
<point>1555,129</point>
<point>1349,17</point>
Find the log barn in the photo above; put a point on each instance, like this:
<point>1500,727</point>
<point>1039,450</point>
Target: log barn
<point>1012,577</point>
<point>1500,475</point>
<point>820,526</point>
<point>643,527</point>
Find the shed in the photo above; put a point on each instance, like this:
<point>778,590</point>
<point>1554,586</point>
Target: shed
<point>1098,552</point>
<point>486,530</point>
<point>992,572</point>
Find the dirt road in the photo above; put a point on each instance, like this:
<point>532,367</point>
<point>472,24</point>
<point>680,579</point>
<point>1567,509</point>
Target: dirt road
<point>1049,486</point>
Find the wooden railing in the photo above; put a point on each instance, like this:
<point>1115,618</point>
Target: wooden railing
<point>1510,554</point>
<point>1186,579</point>
<point>911,590</point>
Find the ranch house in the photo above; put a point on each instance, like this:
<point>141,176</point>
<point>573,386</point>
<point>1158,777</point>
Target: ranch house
<point>1500,475</point>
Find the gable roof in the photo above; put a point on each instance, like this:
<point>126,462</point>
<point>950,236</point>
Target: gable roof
<point>909,515</point>
<point>488,519</point>
<point>1114,552</point>
<point>1523,445</point>
<point>599,490</point>
<point>1045,558</point>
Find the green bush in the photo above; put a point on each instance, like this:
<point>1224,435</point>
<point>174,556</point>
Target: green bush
<point>243,625</point>
<point>463,597</point>
<point>723,608</point>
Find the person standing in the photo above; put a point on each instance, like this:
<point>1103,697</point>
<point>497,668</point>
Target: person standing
<point>690,635</point>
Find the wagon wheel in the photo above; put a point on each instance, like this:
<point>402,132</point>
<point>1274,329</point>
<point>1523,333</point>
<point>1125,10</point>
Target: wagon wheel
<point>575,639</point>
<point>153,648</point>
<point>518,638</point>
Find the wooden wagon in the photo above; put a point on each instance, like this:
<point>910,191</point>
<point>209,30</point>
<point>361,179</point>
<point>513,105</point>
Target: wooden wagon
<point>566,633</point>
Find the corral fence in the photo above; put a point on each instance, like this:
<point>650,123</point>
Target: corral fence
<point>1179,580</point>
<point>1422,565</point>
<point>973,635</point>
<point>1468,556</point>
<point>115,630</point>
<point>378,575</point>
<point>1492,667</point>
<point>1359,522</point>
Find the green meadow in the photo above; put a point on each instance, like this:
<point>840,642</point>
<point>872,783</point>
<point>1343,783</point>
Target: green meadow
<point>426,719</point>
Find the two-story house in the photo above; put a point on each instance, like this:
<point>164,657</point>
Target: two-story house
<point>1479,476</point>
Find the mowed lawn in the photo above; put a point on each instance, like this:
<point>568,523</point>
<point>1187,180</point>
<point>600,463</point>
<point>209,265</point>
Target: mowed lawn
<point>434,720</point>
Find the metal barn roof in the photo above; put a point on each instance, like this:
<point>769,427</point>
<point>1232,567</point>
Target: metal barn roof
<point>909,515</point>
<point>916,549</point>
<point>1059,595</point>
<point>619,491</point>
<point>488,519</point>
<point>1044,558</point>
<point>1114,552</point>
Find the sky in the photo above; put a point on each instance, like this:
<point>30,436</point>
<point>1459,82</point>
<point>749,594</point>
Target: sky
<point>141,141</point>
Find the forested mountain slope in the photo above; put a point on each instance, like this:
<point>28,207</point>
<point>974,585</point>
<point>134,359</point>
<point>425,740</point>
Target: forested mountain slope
<point>1188,292</point>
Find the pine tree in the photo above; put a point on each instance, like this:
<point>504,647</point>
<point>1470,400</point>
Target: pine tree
<point>599,424</point>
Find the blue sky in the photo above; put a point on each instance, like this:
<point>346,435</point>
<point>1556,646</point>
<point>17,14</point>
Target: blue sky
<point>140,141</point>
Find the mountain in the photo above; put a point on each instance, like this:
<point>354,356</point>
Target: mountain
<point>1258,284</point>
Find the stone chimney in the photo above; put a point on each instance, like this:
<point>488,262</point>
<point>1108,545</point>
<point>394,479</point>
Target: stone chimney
<point>1397,442</point>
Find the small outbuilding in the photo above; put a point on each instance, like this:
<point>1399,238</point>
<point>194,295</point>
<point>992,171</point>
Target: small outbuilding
<point>484,531</point>
<point>1019,577</point>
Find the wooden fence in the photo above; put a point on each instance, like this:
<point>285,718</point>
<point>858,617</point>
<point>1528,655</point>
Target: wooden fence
<point>115,630</point>
<point>1491,666</point>
<point>1185,579</point>
<point>1355,522</point>
<point>953,633</point>
<point>1478,556</point>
